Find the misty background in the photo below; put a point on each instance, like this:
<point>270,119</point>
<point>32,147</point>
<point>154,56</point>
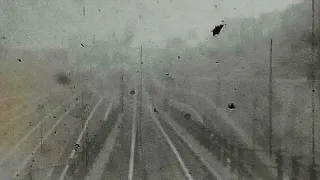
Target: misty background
<point>40,39</point>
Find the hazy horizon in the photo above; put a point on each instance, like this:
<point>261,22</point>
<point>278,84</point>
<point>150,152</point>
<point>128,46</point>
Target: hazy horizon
<point>44,24</point>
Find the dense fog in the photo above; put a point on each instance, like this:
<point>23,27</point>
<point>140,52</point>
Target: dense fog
<point>63,46</point>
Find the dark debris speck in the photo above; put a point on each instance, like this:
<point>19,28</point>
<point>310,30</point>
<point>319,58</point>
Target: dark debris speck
<point>231,106</point>
<point>217,29</point>
<point>62,79</point>
<point>76,147</point>
<point>187,116</point>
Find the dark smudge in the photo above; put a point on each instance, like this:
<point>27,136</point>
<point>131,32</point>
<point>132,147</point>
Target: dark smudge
<point>217,29</point>
<point>231,106</point>
<point>187,115</point>
<point>63,79</point>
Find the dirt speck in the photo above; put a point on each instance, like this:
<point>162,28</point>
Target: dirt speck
<point>217,29</point>
<point>231,106</point>
<point>187,116</point>
<point>76,147</point>
<point>155,110</point>
<point>62,79</point>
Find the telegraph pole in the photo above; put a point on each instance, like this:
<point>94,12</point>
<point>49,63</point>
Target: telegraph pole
<point>218,85</point>
<point>313,84</point>
<point>313,173</point>
<point>140,118</point>
<point>270,101</point>
<point>254,130</point>
<point>93,43</point>
<point>141,62</point>
<point>122,92</point>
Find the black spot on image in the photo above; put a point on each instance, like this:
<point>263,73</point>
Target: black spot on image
<point>63,79</point>
<point>82,45</point>
<point>231,106</point>
<point>187,116</point>
<point>217,29</point>
<point>132,92</point>
<point>76,147</point>
<point>19,60</point>
<point>179,57</point>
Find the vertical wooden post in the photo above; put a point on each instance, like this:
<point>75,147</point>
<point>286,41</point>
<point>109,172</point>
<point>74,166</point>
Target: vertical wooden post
<point>122,92</point>
<point>233,160</point>
<point>313,84</point>
<point>270,101</point>
<point>279,160</point>
<point>294,168</point>
<point>240,161</point>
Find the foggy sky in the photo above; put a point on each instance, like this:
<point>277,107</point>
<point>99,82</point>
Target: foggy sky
<point>48,24</point>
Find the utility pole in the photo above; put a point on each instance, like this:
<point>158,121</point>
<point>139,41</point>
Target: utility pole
<point>312,168</point>
<point>270,101</point>
<point>140,118</point>
<point>122,92</point>
<point>93,43</point>
<point>82,76</point>
<point>218,85</point>
<point>141,62</point>
<point>254,130</point>
<point>165,99</point>
<point>313,84</point>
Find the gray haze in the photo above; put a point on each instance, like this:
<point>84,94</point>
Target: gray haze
<point>43,23</point>
<point>73,89</point>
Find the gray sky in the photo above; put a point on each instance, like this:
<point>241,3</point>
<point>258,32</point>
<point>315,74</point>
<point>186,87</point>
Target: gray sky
<point>45,23</point>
